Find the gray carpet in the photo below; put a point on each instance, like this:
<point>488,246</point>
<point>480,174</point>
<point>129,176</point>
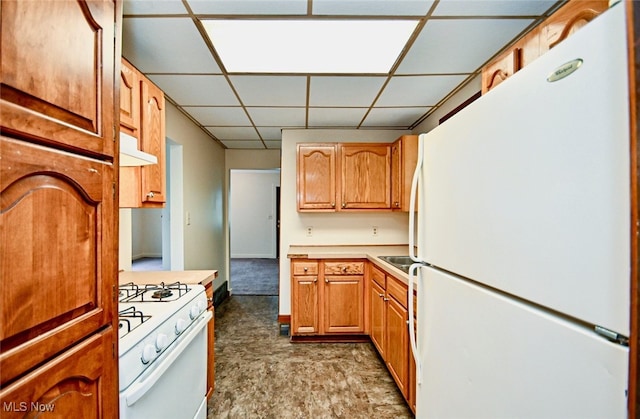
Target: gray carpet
<point>254,276</point>
<point>261,374</point>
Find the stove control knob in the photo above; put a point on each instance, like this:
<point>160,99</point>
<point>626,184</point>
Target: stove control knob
<point>194,312</point>
<point>148,354</point>
<point>181,324</point>
<point>161,342</point>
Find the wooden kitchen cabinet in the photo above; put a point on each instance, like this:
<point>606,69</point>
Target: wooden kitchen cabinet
<point>316,177</point>
<point>365,176</point>
<point>561,24</point>
<point>144,186</point>
<point>343,297</point>
<point>211,340</point>
<point>404,157</point>
<point>129,99</point>
<point>327,297</point>
<point>59,210</point>
<point>388,312</point>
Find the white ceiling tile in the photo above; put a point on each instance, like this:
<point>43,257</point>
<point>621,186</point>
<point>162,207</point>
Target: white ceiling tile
<point>492,7</point>
<point>271,90</point>
<point>193,90</point>
<point>344,91</point>
<point>221,116</point>
<point>340,117</point>
<point>270,133</point>
<point>156,7</point>
<point>278,117</point>
<point>273,144</point>
<point>234,133</point>
<point>394,117</point>
<point>167,45</point>
<point>417,90</point>
<point>243,144</point>
<point>372,7</point>
<point>473,40</point>
<point>249,7</point>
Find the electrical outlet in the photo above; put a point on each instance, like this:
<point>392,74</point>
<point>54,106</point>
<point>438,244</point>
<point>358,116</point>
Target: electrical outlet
<point>374,230</point>
<point>309,231</point>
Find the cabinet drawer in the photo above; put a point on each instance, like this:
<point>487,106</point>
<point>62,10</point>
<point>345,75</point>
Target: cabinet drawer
<point>344,268</point>
<point>397,290</point>
<point>378,276</point>
<point>305,268</point>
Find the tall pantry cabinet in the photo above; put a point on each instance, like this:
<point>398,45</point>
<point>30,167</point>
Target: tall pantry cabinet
<point>58,208</point>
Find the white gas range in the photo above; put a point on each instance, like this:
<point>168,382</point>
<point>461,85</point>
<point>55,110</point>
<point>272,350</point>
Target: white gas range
<point>162,350</point>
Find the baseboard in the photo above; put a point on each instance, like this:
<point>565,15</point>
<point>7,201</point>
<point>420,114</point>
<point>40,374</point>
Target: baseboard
<point>146,255</point>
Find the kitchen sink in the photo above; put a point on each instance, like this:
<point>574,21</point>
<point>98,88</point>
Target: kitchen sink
<point>400,262</point>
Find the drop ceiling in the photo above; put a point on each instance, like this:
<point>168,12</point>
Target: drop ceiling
<point>453,39</point>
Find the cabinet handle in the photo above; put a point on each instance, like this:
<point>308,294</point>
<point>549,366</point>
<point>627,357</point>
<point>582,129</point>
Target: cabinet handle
<point>397,204</point>
<point>150,195</point>
<point>344,269</point>
<point>315,280</point>
<point>306,269</point>
<point>333,205</point>
<point>380,295</point>
<point>386,299</point>
<point>326,280</point>
<point>344,205</point>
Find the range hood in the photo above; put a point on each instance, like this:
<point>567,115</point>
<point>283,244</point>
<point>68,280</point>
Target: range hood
<point>130,155</point>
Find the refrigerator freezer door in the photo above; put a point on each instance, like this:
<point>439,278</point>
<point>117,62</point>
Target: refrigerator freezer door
<point>527,189</point>
<point>488,356</point>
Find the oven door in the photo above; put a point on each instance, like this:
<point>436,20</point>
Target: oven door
<point>174,387</point>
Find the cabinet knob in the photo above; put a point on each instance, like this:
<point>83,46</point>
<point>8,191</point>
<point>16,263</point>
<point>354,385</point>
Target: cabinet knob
<point>306,269</point>
<point>344,269</point>
<point>380,295</point>
<point>326,280</point>
<point>150,195</point>
<point>333,205</point>
<point>386,299</point>
<point>315,280</point>
<point>344,205</point>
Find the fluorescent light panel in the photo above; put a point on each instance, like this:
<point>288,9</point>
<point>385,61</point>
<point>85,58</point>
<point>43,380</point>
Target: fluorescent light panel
<point>309,46</point>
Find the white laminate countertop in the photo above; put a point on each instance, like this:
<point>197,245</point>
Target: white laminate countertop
<point>156,277</point>
<point>369,252</point>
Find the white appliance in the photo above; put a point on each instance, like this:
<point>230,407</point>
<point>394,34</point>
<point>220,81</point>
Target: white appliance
<point>163,351</point>
<point>523,241</point>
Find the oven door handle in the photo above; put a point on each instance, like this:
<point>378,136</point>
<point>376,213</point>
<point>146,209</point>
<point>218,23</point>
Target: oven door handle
<point>140,388</point>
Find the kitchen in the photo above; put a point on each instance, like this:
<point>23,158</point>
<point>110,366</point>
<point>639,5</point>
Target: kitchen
<point>205,239</point>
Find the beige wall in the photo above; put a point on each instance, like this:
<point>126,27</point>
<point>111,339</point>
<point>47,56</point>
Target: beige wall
<point>329,228</point>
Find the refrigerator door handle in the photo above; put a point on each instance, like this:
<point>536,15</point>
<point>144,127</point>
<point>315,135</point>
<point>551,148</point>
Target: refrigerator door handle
<point>414,273</point>
<point>412,201</point>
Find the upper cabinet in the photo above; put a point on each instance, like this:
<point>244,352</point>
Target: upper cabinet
<point>404,157</point>
<point>365,176</point>
<point>356,176</point>
<point>564,22</point>
<point>316,178</point>
<point>142,115</point>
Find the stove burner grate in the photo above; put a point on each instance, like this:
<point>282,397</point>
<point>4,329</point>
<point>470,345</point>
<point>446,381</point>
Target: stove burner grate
<point>163,293</point>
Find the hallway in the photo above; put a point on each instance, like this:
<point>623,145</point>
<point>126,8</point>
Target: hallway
<point>260,374</point>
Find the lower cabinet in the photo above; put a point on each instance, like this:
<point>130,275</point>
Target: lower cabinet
<point>72,385</point>
<point>210,341</point>
<point>389,327</point>
<point>327,297</point>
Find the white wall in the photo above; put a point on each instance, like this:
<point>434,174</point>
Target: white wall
<point>329,228</point>
<point>146,233</point>
<point>252,213</point>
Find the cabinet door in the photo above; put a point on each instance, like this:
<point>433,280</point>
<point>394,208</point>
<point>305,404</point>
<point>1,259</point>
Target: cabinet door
<point>343,304</point>
<point>56,86</point>
<point>568,19</point>
<point>397,349</point>
<point>73,385</point>
<point>501,69</point>
<point>153,142</point>
<point>58,255</point>
<point>378,316</point>
<point>404,157</point>
<point>304,310</point>
<point>316,177</point>
<point>366,176</point>
<point>396,174</point>
<point>211,335</point>
<point>129,99</point>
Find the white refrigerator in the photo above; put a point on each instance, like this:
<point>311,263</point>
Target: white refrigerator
<point>523,241</point>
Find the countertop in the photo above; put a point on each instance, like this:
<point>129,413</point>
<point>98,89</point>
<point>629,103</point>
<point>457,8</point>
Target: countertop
<point>156,277</point>
<point>369,252</point>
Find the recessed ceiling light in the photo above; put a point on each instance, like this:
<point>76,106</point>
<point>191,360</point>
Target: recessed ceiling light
<point>309,46</point>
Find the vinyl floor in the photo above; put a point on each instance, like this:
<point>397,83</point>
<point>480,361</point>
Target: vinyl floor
<point>261,374</point>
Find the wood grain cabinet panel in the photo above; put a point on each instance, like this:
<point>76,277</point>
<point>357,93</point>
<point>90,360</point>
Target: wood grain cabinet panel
<point>404,158</point>
<point>377,312</point>
<point>397,344</point>
<point>316,177</point>
<point>365,176</point>
<point>343,304</point>
<point>129,99</point>
<point>56,86</point>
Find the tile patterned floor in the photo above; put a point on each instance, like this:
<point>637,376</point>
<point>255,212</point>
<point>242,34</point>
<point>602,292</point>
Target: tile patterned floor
<point>260,374</point>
